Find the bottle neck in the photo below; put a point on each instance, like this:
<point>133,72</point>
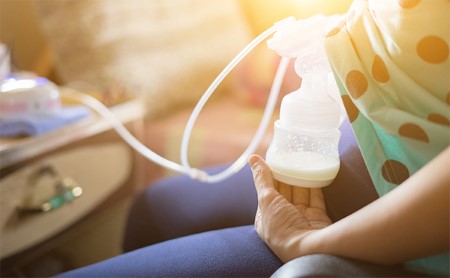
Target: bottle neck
<point>303,109</point>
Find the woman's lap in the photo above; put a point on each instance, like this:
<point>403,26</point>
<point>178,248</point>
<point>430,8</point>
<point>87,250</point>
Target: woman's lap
<point>168,211</point>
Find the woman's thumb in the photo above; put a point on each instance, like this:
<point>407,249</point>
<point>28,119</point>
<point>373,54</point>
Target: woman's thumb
<point>261,172</point>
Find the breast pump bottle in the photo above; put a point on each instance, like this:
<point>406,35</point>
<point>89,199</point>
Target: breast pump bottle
<point>304,149</point>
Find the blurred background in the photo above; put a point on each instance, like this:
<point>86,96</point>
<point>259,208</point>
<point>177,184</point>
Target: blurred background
<point>19,26</point>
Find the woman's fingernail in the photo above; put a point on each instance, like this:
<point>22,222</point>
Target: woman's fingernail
<point>252,160</point>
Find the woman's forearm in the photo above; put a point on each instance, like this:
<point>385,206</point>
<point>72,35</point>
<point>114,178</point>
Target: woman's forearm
<point>411,221</point>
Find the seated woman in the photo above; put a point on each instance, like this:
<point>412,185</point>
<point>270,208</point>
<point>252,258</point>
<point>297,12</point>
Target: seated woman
<point>391,61</point>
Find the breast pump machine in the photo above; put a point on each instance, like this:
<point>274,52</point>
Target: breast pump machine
<point>304,149</point>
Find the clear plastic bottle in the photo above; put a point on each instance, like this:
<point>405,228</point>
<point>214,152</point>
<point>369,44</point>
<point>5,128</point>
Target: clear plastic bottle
<point>304,149</point>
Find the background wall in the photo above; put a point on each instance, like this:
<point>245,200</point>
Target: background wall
<point>262,14</point>
<point>19,27</point>
<point>20,30</point>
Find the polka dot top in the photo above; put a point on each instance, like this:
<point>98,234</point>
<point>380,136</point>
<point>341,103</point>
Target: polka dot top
<point>391,62</point>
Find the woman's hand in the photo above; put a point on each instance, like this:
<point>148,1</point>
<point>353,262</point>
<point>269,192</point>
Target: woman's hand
<point>287,216</point>
<point>394,228</point>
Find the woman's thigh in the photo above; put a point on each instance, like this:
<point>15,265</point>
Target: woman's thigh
<point>179,206</point>
<point>228,252</point>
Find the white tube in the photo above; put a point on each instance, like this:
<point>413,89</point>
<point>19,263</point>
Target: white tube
<point>195,113</point>
<point>185,168</point>
<point>240,162</point>
<point>103,111</point>
<point>270,106</point>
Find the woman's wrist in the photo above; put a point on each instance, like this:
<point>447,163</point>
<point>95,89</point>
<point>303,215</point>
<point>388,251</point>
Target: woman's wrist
<point>317,242</point>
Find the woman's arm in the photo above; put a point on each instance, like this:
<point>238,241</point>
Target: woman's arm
<point>411,221</point>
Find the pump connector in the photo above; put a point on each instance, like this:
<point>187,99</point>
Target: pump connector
<point>294,38</point>
<point>198,174</point>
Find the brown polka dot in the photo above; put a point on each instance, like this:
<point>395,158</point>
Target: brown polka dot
<point>379,70</point>
<point>408,4</point>
<point>394,171</point>
<point>413,131</point>
<point>432,49</point>
<point>350,107</point>
<point>448,96</point>
<point>356,83</point>
<point>439,119</point>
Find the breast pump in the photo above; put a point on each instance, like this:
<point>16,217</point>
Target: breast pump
<point>304,148</point>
